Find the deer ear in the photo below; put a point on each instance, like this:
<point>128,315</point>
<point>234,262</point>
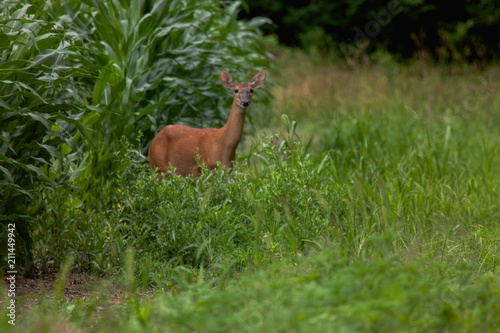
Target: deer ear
<point>258,80</point>
<point>226,79</point>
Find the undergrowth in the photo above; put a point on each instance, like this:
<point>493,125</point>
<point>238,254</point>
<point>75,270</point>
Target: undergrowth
<point>383,218</point>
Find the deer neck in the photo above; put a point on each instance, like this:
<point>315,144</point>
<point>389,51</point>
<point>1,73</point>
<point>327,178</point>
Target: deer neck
<point>233,129</point>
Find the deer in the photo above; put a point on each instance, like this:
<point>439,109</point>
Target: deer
<point>178,146</point>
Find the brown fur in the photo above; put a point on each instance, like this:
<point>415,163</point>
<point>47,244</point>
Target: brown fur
<point>178,145</point>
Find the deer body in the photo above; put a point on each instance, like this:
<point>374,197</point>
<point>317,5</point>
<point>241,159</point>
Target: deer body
<point>178,145</point>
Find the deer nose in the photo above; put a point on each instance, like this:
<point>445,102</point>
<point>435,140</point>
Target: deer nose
<point>245,103</point>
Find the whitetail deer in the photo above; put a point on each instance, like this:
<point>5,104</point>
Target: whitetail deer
<point>178,145</point>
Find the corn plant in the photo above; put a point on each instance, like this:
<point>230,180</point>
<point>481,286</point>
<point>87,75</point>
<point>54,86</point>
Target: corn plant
<point>40,115</point>
<point>76,76</point>
<point>158,64</point>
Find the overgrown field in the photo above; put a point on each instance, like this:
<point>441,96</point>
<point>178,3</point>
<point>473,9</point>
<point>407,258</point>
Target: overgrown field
<point>363,199</point>
<point>373,206</point>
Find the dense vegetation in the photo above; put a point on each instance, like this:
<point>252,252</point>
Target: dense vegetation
<point>366,200</point>
<point>377,210</point>
<point>446,30</point>
<point>79,76</point>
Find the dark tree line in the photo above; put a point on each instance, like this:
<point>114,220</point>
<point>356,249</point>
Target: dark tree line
<point>445,29</point>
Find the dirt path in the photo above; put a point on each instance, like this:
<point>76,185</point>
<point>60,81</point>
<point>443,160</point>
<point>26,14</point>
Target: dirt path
<point>79,286</point>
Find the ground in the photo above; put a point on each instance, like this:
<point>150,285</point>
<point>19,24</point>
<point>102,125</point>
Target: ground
<point>79,286</point>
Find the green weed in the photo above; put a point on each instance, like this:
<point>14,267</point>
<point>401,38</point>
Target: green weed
<point>370,213</point>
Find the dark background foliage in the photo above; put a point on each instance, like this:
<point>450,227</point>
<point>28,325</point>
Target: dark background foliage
<point>445,29</point>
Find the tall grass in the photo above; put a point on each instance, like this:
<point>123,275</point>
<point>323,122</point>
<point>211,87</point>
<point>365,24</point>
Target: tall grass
<point>384,218</point>
<point>417,143</point>
<point>309,294</point>
<point>426,90</point>
<point>424,181</point>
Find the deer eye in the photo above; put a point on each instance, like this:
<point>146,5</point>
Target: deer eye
<point>251,91</point>
<point>236,90</point>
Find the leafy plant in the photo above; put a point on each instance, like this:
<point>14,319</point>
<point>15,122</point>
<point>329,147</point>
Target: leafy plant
<point>254,215</point>
<point>40,117</point>
<point>159,63</point>
<point>77,76</point>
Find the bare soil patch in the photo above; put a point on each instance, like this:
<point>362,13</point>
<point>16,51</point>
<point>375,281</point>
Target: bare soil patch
<point>30,292</point>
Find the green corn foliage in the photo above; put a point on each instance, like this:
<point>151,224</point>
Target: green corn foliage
<point>77,76</point>
<point>158,64</point>
<point>39,117</point>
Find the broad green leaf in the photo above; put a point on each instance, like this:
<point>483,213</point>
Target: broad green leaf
<point>110,75</point>
<point>6,172</point>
